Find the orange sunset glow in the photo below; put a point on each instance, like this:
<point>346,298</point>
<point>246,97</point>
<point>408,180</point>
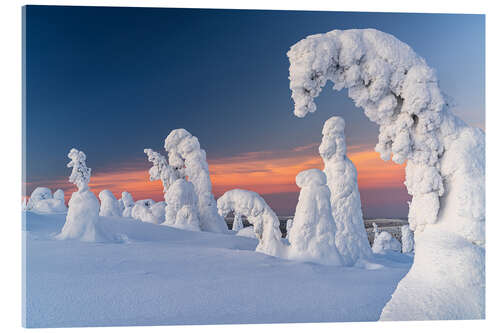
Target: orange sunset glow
<point>265,172</point>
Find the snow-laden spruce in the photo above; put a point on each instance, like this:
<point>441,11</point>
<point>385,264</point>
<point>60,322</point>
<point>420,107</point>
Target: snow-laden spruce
<point>186,156</point>
<point>265,222</point>
<point>289,224</point>
<point>237,223</point>
<point>42,201</point>
<point>407,241</point>
<point>312,234</point>
<point>342,180</point>
<point>109,204</point>
<point>147,210</point>
<point>181,209</point>
<point>384,242</point>
<point>128,204</point>
<point>83,211</point>
<point>445,162</point>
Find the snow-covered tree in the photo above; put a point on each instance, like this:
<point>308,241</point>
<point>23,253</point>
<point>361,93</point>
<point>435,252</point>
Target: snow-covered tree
<point>128,204</point>
<point>59,195</point>
<point>83,212</point>
<point>312,235</point>
<point>181,209</point>
<point>265,222</point>
<point>384,241</point>
<point>400,92</point>
<point>186,156</point>
<point>42,201</point>
<point>143,211</point>
<point>376,231</point>
<point>109,204</point>
<point>289,224</point>
<point>237,223</point>
<point>342,179</point>
<point>407,241</point>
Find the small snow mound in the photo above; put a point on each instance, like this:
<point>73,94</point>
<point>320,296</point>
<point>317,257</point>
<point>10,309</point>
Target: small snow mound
<point>247,232</point>
<point>385,242</point>
<point>42,201</point>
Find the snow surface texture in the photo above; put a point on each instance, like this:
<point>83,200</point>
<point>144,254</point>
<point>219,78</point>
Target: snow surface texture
<point>109,204</point>
<point>385,242</point>
<point>237,223</point>
<point>128,204</point>
<point>247,232</point>
<point>265,222</point>
<point>445,162</point>
<point>407,241</point>
<point>312,234</point>
<point>342,179</point>
<point>83,212</point>
<point>42,201</point>
<point>186,156</point>
<point>166,276</point>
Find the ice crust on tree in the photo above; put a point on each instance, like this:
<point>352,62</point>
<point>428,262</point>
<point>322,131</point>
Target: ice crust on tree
<point>445,162</point>
<point>109,204</point>
<point>312,234</point>
<point>42,201</point>
<point>143,211</point>
<point>83,211</point>
<point>342,180</point>
<point>128,204</point>
<point>265,222</point>
<point>407,241</point>
<point>186,156</point>
<point>237,223</point>
<point>384,242</point>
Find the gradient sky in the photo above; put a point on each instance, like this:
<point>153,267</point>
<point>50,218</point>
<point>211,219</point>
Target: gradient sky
<point>113,81</point>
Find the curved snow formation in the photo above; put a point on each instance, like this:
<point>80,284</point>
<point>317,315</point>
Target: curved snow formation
<point>83,211</point>
<point>109,204</point>
<point>445,162</point>
<point>342,180</point>
<point>185,154</point>
<point>312,234</point>
<point>265,222</point>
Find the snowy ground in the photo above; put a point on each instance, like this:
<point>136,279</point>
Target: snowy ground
<point>161,276</point>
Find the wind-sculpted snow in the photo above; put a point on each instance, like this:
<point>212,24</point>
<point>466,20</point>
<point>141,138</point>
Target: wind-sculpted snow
<point>181,209</point>
<point>109,204</point>
<point>385,242</point>
<point>259,214</point>
<point>148,210</point>
<point>42,201</point>
<point>407,241</point>
<point>342,180</point>
<point>312,234</point>
<point>128,204</point>
<point>186,156</point>
<point>445,162</point>
<point>83,211</point>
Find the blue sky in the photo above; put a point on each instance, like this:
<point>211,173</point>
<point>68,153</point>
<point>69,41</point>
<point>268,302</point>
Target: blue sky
<point>112,81</point>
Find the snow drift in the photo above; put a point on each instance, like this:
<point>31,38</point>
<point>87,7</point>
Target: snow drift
<point>189,160</point>
<point>312,234</point>
<point>342,179</point>
<point>83,212</point>
<point>445,162</point>
<point>259,214</point>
